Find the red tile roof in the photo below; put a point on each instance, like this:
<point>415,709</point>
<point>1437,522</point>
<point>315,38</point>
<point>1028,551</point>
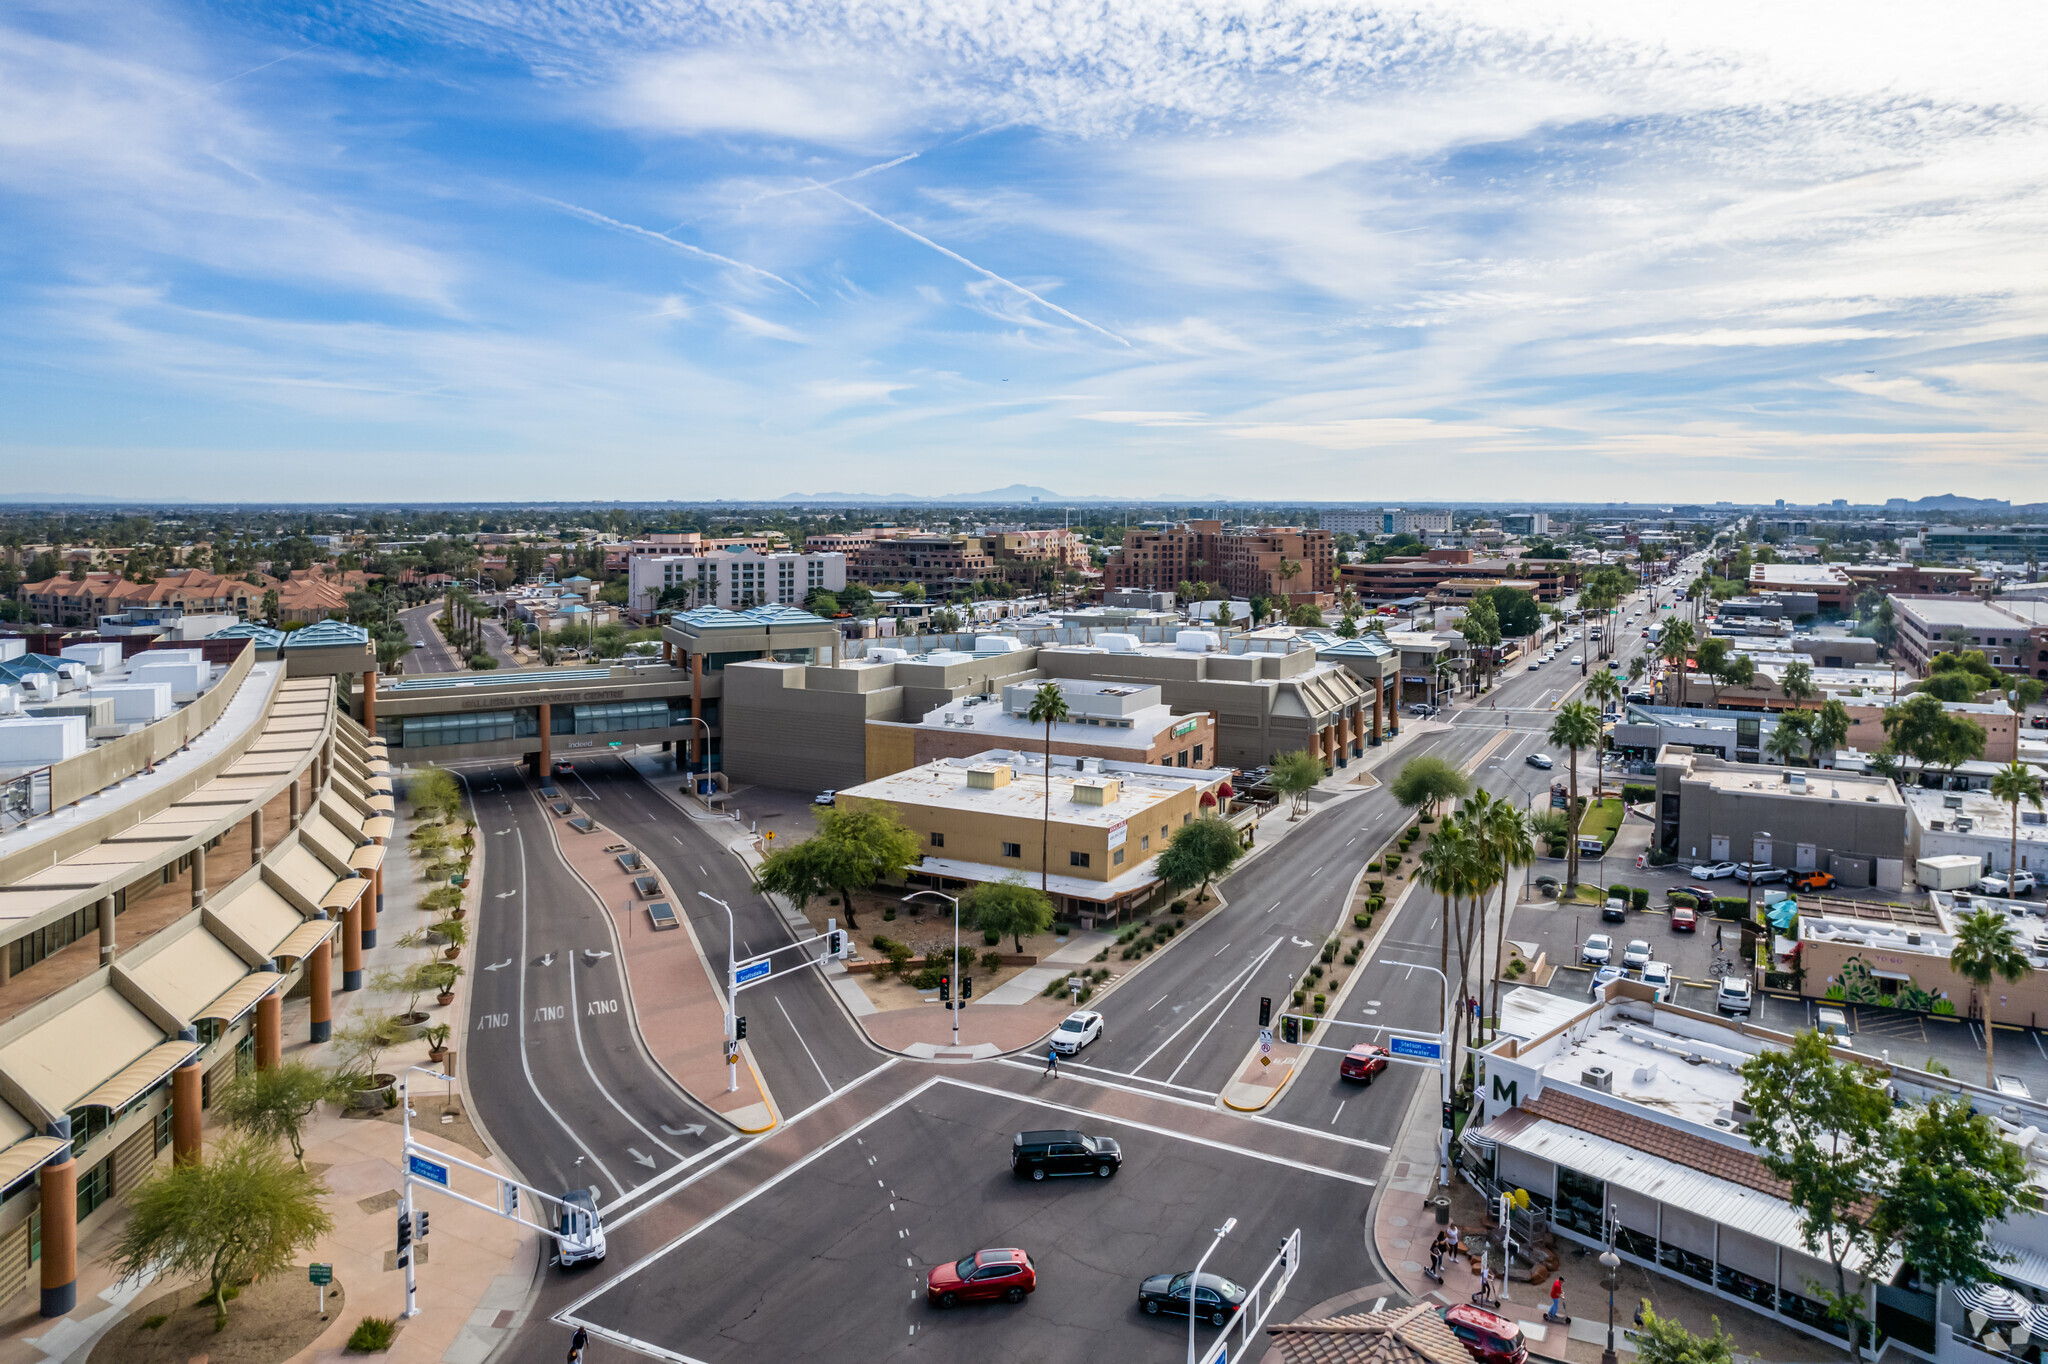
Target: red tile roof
<point>1654,1138</point>
<point>1398,1335</point>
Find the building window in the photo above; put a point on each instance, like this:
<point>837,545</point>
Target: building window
<point>1117,857</point>
<point>1013,850</point>
<point>1144,842</point>
<point>1077,859</point>
<point>1198,755</point>
<point>938,840</point>
<point>95,1187</point>
<point>160,1129</point>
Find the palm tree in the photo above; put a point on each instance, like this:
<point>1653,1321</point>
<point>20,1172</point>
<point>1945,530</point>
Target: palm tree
<point>1605,688</point>
<point>1830,729</point>
<point>2013,783</point>
<point>1445,866</point>
<point>1287,570</point>
<point>1675,648</point>
<point>1505,833</point>
<point>1575,726</point>
<point>1790,737</point>
<point>1637,666</point>
<point>1986,946</point>
<point>1048,707</point>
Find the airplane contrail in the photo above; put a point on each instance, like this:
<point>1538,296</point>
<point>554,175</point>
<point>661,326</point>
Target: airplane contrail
<point>808,186</point>
<point>591,216</point>
<point>979,270</point>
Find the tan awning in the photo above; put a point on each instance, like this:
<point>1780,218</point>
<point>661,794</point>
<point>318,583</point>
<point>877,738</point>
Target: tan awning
<point>240,997</point>
<point>304,872</point>
<point>379,826</point>
<point>138,1077</point>
<point>367,858</point>
<point>382,805</point>
<point>344,893</point>
<point>79,1049</point>
<point>332,844</point>
<point>262,917</point>
<point>26,1155</point>
<point>305,938</point>
<point>379,767</point>
<point>189,974</point>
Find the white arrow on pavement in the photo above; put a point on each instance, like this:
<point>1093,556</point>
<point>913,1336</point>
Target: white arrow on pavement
<point>499,965</point>
<point>547,959</point>
<point>500,833</point>
<point>589,955</point>
<point>634,1151</point>
<point>504,895</point>
<point>1302,942</point>
<point>695,1129</point>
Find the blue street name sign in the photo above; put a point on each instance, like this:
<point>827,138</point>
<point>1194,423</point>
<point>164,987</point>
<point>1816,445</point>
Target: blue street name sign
<point>419,1167</point>
<point>753,971</point>
<point>1411,1046</point>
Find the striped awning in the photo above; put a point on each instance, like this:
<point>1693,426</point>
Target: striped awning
<point>302,940</point>
<point>1994,1300</point>
<point>240,997</point>
<point>140,1075</point>
<point>343,894</point>
<point>28,1154</point>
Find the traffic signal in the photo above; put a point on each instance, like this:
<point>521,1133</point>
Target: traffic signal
<point>739,1028</point>
<point>1447,1117</point>
<point>1265,1011</point>
<point>967,987</point>
<point>404,1232</point>
<point>945,989</point>
<point>1290,1028</point>
<point>421,1232</point>
<point>835,943</point>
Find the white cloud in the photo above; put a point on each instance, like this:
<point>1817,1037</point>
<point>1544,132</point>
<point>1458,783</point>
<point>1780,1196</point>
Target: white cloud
<point>1760,336</point>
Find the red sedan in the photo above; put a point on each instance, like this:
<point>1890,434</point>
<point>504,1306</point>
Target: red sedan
<point>1684,919</point>
<point>981,1277</point>
<point>1363,1062</point>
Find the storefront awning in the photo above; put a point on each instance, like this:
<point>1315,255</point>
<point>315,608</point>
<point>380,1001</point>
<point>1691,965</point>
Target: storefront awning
<point>31,1153</point>
<point>240,997</point>
<point>304,939</point>
<point>379,826</point>
<point>140,1076</point>
<point>367,858</point>
<point>342,896</point>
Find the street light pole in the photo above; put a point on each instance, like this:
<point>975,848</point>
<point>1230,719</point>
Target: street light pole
<point>1443,1065</point>
<point>1195,1281</point>
<point>732,1066</point>
<point>1611,1264</point>
<point>956,1001</point>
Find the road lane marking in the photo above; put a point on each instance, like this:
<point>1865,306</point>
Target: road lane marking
<point>1163,998</point>
<point>576,1023</point>
<point>1219,951</point>
<point>1104,1070</point>
<point>1175,1073</point>
<point>800,1042</point>
<point>1245,972</point>
<point>1339,1113</point>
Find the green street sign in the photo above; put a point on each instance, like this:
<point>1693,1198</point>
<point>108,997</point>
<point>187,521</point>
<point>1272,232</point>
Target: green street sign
<point>320,1274</point>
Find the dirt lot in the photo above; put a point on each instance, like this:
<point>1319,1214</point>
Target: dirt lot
<point>272,1319</point>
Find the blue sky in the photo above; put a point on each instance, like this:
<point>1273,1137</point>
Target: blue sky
<point>593,248</point>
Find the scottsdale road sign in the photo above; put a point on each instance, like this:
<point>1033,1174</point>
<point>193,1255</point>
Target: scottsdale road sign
<point>751,971</point>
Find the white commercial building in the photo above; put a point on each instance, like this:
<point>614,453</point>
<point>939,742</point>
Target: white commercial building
<point>734,579</point>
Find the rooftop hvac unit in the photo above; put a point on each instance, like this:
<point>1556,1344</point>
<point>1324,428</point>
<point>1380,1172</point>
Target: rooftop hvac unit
<point>1952,802</point>
<point>1913,937</point>
<point>38,686</point>
<point>1964,824</point>
<point>1597,1077</point>
<point>1741,1112</point>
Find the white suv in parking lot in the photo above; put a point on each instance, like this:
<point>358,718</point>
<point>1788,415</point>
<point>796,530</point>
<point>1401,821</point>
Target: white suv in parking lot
<point>1734,995</point>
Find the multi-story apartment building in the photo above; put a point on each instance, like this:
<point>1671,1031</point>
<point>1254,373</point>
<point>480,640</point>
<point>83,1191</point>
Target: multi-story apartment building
<point>931,560</point>
<point>1401,576</point>
<point>735,578</point>
<point>2008,544</point>
<point>2012,634</point>
<point>303,595</point>
<point>1245,562</point>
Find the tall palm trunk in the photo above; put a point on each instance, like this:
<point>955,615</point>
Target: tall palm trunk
<point>1500,933</point>
<point>1571,849</point>
<point>1990,1072</point>
<point>1045,822</point>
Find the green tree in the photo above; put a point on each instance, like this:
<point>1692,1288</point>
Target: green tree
<point>276,1104</point>
<point>1425,783</point>
<point>1824,1126</point>
<point>1260,609</point>
<point>1920,728</point>
<point>1448,866</point>
<point>1515,611</point>
<point>2013,783</point>
<point>1575,726</point>
<point>1199,851</point>
<point>1294,776</point>
<point>1008,906</point>
<point>1797,683</point>
<point>1660,1340</point>
<point>1507,841</point>
<point>1957,1177</point>
<point>1048,708</point>
<point>1675,647</point>
<point>270,607</point>
<point>1985,947</point>
<point>1480,625</point>
<point>1790,736</point>
<point>1831,725</point>
<point>1305,616</point>
<point>242,1214</point>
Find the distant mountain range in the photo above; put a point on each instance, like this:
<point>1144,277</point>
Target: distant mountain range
<point>1015,493</point>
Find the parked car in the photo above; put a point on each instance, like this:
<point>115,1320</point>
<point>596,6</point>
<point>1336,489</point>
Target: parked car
<point>1760,873</point>
<point>579,1234</point>
<point>1541,760</point>
<point>1734,995</point>
<point>1684,919</point>
<point>1363,1062</point>
<point>1713,871</point>
<point>1636,955</point>
<point>1216,1299</point>
<point>1598,951</point>
<point>1703,894</point>
<point>825,798</point>
<point>1076,1031</point>
<point>1615,911</point>
<point>1598,985</point>
<point>1659,977</point>
<point>1488,1337</point>
<point>2007,883</point>
<point>983,1276</point>
<point>1048,1155</point>
<point>1814,880</point>
<point>2012,1086</point>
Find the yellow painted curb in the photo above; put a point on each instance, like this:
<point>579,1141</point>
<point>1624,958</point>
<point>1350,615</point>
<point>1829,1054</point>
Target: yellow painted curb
<point>1271,1094</point>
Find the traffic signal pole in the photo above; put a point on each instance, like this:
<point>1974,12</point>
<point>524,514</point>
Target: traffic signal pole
<point>758,970</point>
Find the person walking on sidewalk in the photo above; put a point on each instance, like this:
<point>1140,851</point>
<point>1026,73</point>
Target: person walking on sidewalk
<point>1437,1250</point>
<point>576,1344</point>
<point>1483,1295</point>
<point>1555,1312</point>
<point>1052,1061</point>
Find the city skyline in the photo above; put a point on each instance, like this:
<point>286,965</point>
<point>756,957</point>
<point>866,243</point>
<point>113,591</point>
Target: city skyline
<point>473,252</point>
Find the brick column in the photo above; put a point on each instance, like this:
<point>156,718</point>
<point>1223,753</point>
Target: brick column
<point>320,987</point>
<point>352,948</point>
<point>107,930</point>
<point>269,1031</point>
<point>198,876</point>
<point>372,901</point>
<point>186,1093</point>
<point>60,1235</point>
<point>369,715</point>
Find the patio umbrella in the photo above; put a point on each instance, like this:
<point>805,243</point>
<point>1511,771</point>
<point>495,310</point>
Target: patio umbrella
<point>1996,1302</point>
<point>1782,914</point>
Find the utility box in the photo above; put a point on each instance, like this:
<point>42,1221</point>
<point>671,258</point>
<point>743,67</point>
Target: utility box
<point>1953,871</point>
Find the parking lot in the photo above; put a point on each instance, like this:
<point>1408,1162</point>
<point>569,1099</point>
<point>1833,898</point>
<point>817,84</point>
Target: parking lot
<point>829,1263</point>
<point>1905,1037</point>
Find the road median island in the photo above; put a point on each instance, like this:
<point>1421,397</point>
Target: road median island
<point>677,1003</point>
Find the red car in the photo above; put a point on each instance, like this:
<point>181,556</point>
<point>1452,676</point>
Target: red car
<point>1684,919</point>
<point>1487,1336</point>
<point>1363,1062</point>
<point>982,1277</point>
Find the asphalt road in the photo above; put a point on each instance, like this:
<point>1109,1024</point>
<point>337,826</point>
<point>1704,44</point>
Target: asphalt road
<point>431,654</point>
<point>556,1069</point>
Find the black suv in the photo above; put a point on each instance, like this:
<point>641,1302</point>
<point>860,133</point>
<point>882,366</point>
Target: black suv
<point>1040,1154</point>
